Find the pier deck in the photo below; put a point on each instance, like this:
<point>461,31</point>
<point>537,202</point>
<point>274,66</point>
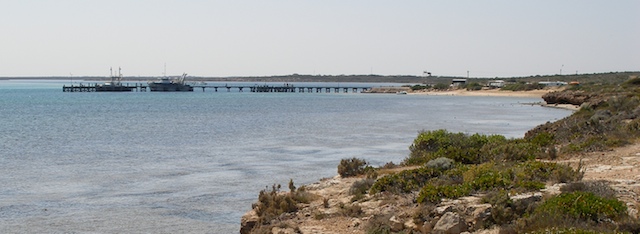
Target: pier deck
<point>240,88</point>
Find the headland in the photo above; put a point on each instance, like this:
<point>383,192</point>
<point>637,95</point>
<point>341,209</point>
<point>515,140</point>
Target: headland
<point>452,183</point>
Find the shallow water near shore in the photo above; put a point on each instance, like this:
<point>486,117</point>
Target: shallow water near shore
<point>143,162</point>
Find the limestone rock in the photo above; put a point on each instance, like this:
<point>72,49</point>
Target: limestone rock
<point>410,224</point>
<point>444,209</point>
<point>566,97</point>
<point>277,230</point>
<point>450,223</point>
<point>527,198</point>
<point>396,224</point>
<point>479,214</point>
<point>248,222</point>
<point>426,227</point>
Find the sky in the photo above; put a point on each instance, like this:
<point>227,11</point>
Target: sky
<point>330,37</point>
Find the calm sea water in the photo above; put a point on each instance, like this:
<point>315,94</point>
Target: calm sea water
<point>194,162</point>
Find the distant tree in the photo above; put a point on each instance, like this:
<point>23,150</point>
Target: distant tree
<point>420,87</point>
<point>441,86</point>
<point>473,86</point>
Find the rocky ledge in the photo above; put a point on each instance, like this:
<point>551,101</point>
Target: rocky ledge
<point>334,211</point>
<point>567,97</point>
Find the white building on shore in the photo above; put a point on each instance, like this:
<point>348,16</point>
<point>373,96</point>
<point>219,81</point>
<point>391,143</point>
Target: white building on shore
<point>552,83</point>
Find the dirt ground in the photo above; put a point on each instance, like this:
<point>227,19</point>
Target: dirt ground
<point>620,167</point>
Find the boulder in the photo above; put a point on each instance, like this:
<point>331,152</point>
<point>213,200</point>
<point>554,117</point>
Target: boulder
<point>478,215</point>
<point>440,210</point>
<point>526,199</point>
<point>426,227</point>
<point>248,222</point>
<point>396,224</point>
<point>411,225</point>
<point>450,223</point>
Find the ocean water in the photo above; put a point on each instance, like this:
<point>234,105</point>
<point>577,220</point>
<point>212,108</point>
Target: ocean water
<point>143,162</point>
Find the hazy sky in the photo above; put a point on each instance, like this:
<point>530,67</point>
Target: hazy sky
<point>328,37</point>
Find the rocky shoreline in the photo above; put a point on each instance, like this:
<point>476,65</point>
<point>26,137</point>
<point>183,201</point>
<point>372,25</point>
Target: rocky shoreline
<point>618,168</point>
<point>333,210</point>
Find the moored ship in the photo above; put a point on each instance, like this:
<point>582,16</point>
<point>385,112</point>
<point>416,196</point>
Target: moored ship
<point>115,85</point>
<point>167,84</point>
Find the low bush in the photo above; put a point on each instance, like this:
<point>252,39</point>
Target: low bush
<point>441,86</point>
<point>545,171</point>
<point>576,209</point>
<point>352,167</point>
<point>272,204</point>
<point>433,193</point>
<point>405,181</point>
<point>360,188</point>
<point>464,180</point>
<point>460,147</point>
<point>352,210</point>
<point>473,86</point>
<point>420,87</point>
<point>441,163</point>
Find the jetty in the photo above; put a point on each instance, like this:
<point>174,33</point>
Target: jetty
<point>286,88</point>
<point>95,87</point>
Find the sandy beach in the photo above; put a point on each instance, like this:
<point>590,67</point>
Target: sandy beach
<point>500,93</point>
<point>492,92</point>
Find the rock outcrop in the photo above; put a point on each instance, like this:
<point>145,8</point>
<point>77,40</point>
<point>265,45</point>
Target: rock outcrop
<point>450,223</point>
<point>248,222</point>
<point>566,97</point>
<point>328,214</point>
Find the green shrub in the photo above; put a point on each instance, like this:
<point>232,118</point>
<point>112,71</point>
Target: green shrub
<point>546,171</point>
<point>360,188</point>
<point>582,206</point>
<point>581,211</point>
<point>511,151</point>
<point>405,181</point>
<point>441,86</point>
<point>457,146</point>
<point>433,194</point>
<point>441,163</point>
<point>352,167</point>
<point>501,207</point>
<point>542,139</point>
<point>420,87</point>
<point>272,204</point>
<point>473,86</point>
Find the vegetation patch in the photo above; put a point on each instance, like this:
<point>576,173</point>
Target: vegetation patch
<point>447,165</point>
<point>578,210</point>
<point>360,188</point>
<point>404,181</point>
<point>352,167</point>
<point>272,203</point>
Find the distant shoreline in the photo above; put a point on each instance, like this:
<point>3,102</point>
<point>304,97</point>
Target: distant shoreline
<point>500,93</point>
<point>489,93</point>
